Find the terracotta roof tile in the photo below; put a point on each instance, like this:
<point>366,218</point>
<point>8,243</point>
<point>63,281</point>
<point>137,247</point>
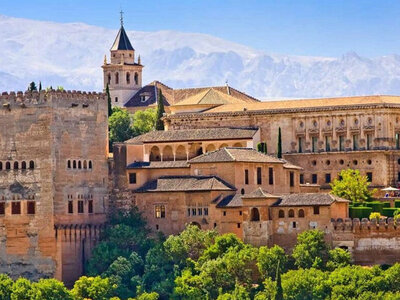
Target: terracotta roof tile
<point>258,193</point>
<point>158,164</point>
<point>308,199</point>
<point>195,135</point>
<point>185,184</point>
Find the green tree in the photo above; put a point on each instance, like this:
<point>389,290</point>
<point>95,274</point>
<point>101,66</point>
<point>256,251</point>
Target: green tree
<point>338,258</point>
<point>40,86</point>
<point>50,289</point>
<point>221,245</point>
<point>262,147</point>
<point>352,186</point>
<point>95,288</point>
<point>119,124</point>
<point>32,86</point>
<point>310,250</point>
<point>110,110</point>
<point>279,290</point>
<point>279,143</point>
<point>160,111</point>
<point>375,216</point>
<point>59,88</point>
<point>269,259</point>
<point>144,121</point>
<point>6,284</point>
<point>21,289</point>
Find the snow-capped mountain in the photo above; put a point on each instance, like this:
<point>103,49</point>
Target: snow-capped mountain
<point>71,54</point>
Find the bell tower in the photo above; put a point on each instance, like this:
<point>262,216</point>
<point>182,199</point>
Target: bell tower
<point>123,74</point>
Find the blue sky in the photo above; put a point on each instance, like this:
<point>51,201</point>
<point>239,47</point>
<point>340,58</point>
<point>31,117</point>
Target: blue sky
<point>313,27</point>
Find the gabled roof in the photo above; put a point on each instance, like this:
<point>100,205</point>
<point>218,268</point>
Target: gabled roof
<point>202,134</point>
<point>185,184</point>
<point>209,96</point>
<point>259,193</point>
<point>122,41</point>
<point>308,199</point>
<point>158,164</point>
<point>229,201</point>
<point>235,154</point>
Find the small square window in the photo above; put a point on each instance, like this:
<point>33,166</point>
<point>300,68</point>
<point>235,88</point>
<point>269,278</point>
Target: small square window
<point>316,210</point>
<point>224,213</point>
<point>159,211</point>
<point>16,208</point>
<point>31,207</point>
<point>238,225</point>
<point>2,208</point>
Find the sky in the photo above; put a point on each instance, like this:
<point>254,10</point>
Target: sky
<point>297,27</point>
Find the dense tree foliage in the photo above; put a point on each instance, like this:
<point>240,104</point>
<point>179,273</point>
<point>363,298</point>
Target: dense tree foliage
<point>144,121</point>
<point>160,111</point>
<point>351,185</point>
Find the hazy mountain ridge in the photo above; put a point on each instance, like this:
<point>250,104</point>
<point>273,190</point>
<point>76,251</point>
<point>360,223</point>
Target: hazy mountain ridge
<point>71,55</point>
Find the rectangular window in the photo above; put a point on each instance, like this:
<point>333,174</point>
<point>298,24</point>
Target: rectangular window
<point>80,207</point>
<point>398,176</point>
<point>116,99</point>
<point>314,144</point>
<point>160,211</point>
<point>314,178</point>
<point>16,208</point>
<point>369,141</point>
<point>327,143</point>
<point>291,177</point>
<point>259,179</point>
<point>327,178</point>
<point>200,211</point>
<point>356,138</point>
<point>316,210</point>
<point>70,207</point>
<point>238,225</point>
<point>397,140</point>
<point>188,212</point>
<point>224,213</point>
<point>246,176</point>
<point>341,143</point>
<point>30,207</point>
<point>2,208</point>
<point>205,210</point>
<point>90,206</point>
<point>369,176</point>
<point>194,212</point>
<point>271,175</point>
<point>294,224</point>
<point>301,146</point>
<point>132,178</point>
<point>301,178</point>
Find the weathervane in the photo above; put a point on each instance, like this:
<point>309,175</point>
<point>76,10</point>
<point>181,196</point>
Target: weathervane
<point>122,18</point>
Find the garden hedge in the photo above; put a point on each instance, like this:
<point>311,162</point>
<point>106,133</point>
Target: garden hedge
<point>360,212</point>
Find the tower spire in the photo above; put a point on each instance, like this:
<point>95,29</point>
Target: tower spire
<point>121,18</point>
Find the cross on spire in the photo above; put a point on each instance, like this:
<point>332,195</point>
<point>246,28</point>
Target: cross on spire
<point>121,18</point>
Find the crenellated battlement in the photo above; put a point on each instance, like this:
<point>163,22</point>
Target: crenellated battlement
<point>365,225</point>
<point>45,98</point>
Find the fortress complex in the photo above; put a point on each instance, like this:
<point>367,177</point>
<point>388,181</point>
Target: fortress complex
<point>58,183</point>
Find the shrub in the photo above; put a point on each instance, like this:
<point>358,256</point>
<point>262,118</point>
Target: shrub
<point>375,205</point>
<point>375,216</point>
<point>360,212</point>
<point>386,204</point>
<point>397,203</point>
<point>388,212</point>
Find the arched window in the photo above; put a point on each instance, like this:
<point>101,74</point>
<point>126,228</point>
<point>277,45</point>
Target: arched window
<point>281,213</point>
<point>79,164</point>
<point>31,165</point>
<point>155,154</point>
<point>254,214</point>
<point>23,165</point>
<point>242,191</point>
<point>301,213</point>
<point>168,155</point>
<point>117,78</point>
<point>136,78</point>
<point>291,213</point>
<point>16,165</point>
<point>210,148</point>
<point>69,164</point>
<point>128,78</point>
<point>84,164</point>
<point>8,165</point>
<point>180,153</point>
<point>90,164</point>
<point>109,78</point>
<point>74,164</point>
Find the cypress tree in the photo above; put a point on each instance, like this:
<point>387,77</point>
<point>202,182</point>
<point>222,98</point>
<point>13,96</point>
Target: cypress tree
<point>40,86</point>
<point>279,290</point>
<point>32,86</point>
<point>279,143</point>
<point>262,147</point>
<point>109,101</point>
<point>160,111</point>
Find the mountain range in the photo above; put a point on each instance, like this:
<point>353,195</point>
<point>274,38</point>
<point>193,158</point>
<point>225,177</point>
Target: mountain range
<point>71,55</point>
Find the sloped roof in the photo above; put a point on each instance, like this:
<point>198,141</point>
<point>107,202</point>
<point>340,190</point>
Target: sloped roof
<point>122,41</point>
<point>232,154</point>
<point>259,193</point>
<point>216,95</point>
<point>306,103</point>
<point>185,184</point>
<point>229,201</point>
<point>158,164</point>
<point>194,135</point>
<point>209,96</point>
<point>308,199</point>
